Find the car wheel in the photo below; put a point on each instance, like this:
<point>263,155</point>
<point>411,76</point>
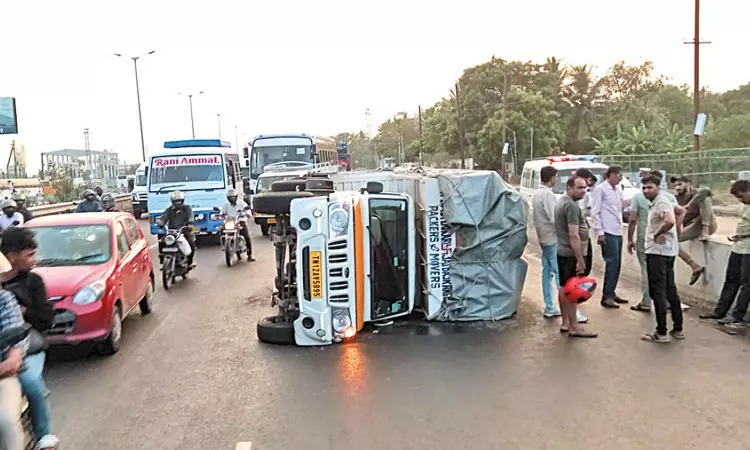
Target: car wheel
<point>111,345</point>
<point>145,303</point>
<point>276,330</point>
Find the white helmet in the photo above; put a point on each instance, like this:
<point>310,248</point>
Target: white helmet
<point>8,203</point>
<point>177,196</point>
<point>231,193</point>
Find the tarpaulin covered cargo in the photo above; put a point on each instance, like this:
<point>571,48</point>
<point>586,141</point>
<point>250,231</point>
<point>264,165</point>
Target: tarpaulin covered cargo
<point>473,234</point>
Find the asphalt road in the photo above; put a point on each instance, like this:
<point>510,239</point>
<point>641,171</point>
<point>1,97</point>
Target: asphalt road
<point>193,376</point>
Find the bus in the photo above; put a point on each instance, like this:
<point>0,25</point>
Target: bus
<point>265,149</point>
<point>204,169</point>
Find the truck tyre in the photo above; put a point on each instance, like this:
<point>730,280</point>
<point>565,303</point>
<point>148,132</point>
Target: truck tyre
<point>277,202</point>
<point>288,186</point>
<point>319,184</point>
<point>274,330</point>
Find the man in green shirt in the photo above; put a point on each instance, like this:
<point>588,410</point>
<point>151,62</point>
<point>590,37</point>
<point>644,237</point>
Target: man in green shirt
<point>639,221</point>
<point>737,281</point>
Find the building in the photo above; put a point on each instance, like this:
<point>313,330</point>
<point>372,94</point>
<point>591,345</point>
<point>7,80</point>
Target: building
<point>99,165</point>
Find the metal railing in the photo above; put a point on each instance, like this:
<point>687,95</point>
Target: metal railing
<point>122,201</point>
<point>716,168</point>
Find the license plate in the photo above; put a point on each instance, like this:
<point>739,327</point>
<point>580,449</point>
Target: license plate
<point>271,220</point>
<point>169,250</point>
<point>196,230</point>
<point>316,274</point>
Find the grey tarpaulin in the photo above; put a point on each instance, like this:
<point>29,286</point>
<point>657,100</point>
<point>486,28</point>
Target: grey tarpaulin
<point>487,269</point>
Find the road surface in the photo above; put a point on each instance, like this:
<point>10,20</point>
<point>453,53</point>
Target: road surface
<point>193,376</point>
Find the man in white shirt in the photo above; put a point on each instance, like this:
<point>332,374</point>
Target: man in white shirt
<point>235,207</point>
<point>661,250</point>
<point>10,217</point>
<point>543,204</point>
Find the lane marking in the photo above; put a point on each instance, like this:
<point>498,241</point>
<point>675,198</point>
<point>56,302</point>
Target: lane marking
<point>244,446</point>
<point>151,247</point>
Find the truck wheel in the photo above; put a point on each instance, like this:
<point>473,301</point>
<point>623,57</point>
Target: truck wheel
<point>276,202</point>
<point>321,184</point>
<point>274,330</point>
<point>288,186</point>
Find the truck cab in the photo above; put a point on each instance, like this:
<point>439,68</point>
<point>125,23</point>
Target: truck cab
<point>139,193</point>
<point>356,262</point>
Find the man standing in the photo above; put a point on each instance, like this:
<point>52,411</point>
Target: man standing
<point>661,250</point>
<point>572,231</point>
<point>639,220</point>
<point>606,210</point>
<point>737,281</point>
<point>699,222</point>
<point>543,205</point>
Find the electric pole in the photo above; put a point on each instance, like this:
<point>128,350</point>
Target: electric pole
<point>421,150</point>
<point>696,43</point>
<point>460,129</point>
<point>503,172</point>
<point>218,120</point>
<point>87,147</point>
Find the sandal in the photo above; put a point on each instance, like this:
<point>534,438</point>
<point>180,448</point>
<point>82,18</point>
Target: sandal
<point>641,307</point>
<point>564,330</point>
<point>653,337</point>
<point>582,334</point>
<point>696,275</point>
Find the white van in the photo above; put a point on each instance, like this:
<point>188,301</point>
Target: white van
<point>566,167</point>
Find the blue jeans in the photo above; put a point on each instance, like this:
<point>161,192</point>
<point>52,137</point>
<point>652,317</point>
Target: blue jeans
<point>612,253</point>
<point>35,390</point>
<point>549,267</point>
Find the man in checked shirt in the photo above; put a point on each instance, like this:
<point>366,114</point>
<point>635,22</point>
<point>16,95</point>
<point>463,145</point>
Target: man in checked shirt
<point>11,432</point>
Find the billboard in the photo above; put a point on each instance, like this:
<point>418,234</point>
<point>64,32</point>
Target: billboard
<point>8,120</point>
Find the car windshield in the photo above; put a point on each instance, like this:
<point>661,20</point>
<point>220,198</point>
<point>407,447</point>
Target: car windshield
<point>264,183</point>
<point>73,245</point>
<point>564,174</point>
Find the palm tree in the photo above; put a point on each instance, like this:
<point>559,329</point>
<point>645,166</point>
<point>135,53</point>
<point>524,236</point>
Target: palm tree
<point>582,93</point>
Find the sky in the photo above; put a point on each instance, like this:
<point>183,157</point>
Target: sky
<point>312,66</point>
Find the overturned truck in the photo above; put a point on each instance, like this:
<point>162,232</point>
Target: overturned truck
<point>367,247</point>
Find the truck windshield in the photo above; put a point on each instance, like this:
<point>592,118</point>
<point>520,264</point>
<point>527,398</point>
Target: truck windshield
<point>388,253</point>
<point>140,179</point>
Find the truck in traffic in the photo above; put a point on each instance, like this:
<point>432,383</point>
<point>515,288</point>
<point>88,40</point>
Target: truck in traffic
<point>139,193</point>
<point>367,247</point>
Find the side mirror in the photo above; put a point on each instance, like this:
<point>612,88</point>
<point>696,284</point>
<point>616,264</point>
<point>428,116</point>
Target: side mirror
<point>245,152</point>
<point>216,209</point>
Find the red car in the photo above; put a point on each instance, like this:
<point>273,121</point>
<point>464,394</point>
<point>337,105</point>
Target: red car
<point>97,268</point>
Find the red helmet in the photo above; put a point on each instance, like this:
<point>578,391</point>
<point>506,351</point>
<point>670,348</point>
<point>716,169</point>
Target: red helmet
<point>579,289</point>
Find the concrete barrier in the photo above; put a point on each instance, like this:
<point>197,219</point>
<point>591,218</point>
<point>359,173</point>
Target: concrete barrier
<point>122,201</point>
<point>713,255</point>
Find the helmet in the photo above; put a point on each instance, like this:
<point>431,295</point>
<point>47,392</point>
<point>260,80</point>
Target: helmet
<point>579,289</point>
<point>108,201</point>
<point>8,203</point>
<point>231,193</point>
<point>88,192</point>
<point>177,196</point>
<point>98,189</point>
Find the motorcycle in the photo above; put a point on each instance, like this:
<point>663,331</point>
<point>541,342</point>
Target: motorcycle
<point>9,338</point>
<point>173,253</point>
<point>231,239</point>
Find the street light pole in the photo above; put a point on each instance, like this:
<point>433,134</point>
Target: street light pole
<point>218,119</point>
<point>138,96</point>
<point>190,101</point>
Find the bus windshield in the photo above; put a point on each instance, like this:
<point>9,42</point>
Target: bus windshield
<point>205,171</point>
<point>263,156</point>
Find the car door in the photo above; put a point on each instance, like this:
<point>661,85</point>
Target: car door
<point>141,256</point>
<point>127,268</point>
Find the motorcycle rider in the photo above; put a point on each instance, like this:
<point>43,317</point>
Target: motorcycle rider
<point>19,247</point>
<point>10,217</point>
<point>20,200</point>
<point>234,207</point>
<point>108,203</point>
<point>99,192</point>
<point>177,216</point>
<point>89,203</point>
<point>11,431</point>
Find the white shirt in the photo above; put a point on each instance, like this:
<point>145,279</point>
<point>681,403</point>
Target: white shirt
<point>543,204</point>
<point>656,212</point>
<point>7,222</point>
<point>606,209</point>
<point>235,210</point>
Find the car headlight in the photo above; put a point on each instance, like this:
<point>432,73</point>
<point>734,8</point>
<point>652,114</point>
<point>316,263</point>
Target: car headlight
<point>169,240</point>
<point>199,217</point>
<point>229,225</point>
<point>90,293</point>
<point>338,220</point>
<point>340,320</point>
